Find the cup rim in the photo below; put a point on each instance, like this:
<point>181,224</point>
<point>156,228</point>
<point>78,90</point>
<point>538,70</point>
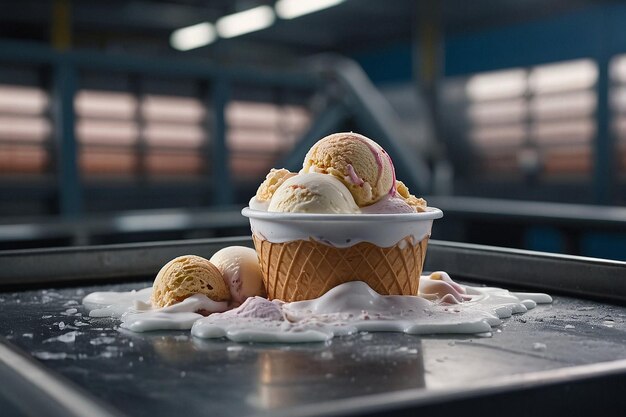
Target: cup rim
<point>431,213</point>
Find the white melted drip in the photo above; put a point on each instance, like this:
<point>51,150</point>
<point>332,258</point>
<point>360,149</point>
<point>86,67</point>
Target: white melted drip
<point>179,316</point>
<point>114,304</point>
<point>443,307</point>
<point>137,314</point>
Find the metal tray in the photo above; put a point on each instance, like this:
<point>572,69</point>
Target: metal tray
<point>569,357</point>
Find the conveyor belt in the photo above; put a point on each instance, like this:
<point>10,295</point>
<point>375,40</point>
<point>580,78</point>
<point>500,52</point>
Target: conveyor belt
<point>565,358</point>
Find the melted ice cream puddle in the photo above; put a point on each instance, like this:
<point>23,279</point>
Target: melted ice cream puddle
<point>443,307</point>
<point>136,313</point>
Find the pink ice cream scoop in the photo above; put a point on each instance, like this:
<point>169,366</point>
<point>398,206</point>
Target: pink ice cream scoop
<point>388,205</point>
<point>360,163</point>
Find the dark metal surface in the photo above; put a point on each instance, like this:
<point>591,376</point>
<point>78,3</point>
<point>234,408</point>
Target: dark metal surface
<point>29,388</point>
<point>549,354</point>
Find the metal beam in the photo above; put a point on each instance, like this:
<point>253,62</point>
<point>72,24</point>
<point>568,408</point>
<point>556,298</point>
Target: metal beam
<point>374,115</point>
<point>70,190</point>
<point>222,186</point>
<point>604,152</point>
<point>36,53</point>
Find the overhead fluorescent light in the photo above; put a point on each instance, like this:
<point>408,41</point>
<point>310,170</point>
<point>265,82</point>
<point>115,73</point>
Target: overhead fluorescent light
<point>192,37</point>
<point>245,22</point>
<point>290,9</point>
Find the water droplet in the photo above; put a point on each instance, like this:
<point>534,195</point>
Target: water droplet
<point>69,337</point>
<point>104,340</point>
<point>234,348</point>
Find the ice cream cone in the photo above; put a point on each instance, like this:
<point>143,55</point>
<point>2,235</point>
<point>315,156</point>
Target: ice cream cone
<point>305,269</point>
<point>303,255</point>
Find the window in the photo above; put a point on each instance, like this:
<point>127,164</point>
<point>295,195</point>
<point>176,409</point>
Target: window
<point>151,131</point>
<point>25,130</point>
<point>537,120</point>
<point>174,134</point>
<point>260,133</point>
<point>618,107</point>
<point>106,132</point>
<point>120,134</point>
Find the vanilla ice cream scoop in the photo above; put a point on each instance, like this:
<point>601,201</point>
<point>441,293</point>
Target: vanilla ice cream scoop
<point>266,190</point>
<point>185,276</point>
<point>357,161</point>
<point>313,193</point>
<point>241,271</point>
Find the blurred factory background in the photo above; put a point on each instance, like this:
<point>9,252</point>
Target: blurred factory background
<point>138,120</point>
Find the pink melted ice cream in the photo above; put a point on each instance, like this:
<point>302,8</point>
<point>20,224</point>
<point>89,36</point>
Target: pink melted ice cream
<point>388,205</point>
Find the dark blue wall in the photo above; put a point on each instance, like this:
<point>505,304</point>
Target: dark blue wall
<point>594,32</point>
<point>389,64</point>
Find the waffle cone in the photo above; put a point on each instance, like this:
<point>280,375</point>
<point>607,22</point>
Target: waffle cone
<point>306,269</point>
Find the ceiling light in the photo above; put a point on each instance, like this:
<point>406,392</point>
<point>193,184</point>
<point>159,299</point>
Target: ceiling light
<point>290,9</point>
<point>245,22</point>
<point>192,37</point>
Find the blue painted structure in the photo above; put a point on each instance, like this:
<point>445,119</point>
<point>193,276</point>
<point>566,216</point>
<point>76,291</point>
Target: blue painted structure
<point>70,194</point>
<point>593,32</point>
<point>597,32</point>
<point>388,65</point>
